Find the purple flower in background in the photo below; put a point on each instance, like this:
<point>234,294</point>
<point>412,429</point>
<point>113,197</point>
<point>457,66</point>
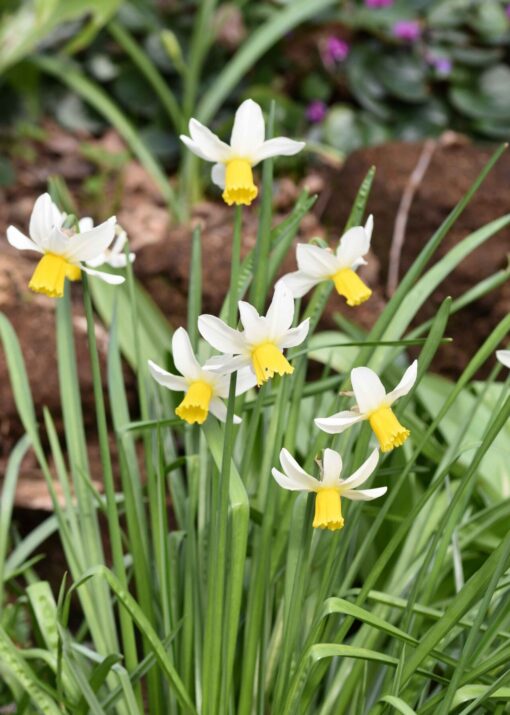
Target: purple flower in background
<point>443,66</point>
<point>408,30</point>
<point>376,4</point>
<point>507,10</point>
<point>336,50</point>
<point>316,111</point>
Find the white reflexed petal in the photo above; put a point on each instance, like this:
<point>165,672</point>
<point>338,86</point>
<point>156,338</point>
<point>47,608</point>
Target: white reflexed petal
<point>212,148</point>
<point>193,147</point>
<point>368,389</point>
<point>286,483</point>
<point>405,384</point>
<point>172,382</point>
<point>120,260</point>
<point>45,216</point>
<point>221,336</point>
<point>315,261</point>
<point>227,364</point>
<point>20,241</point>
<point>298,283</point>
<point>354,244</point>
<point>218,175</point>
<point>99,261</point>
<point>362,473</point>
<point>219,410</point>
<point>296,473</point>
<point>369,227</point>
<point>246,379</point>
<point>280,313</point>
<point>85,224</point>
<point>338,422</point>
<point>248,132</point>
<point>504,357</point>
<point>331,467</point>
<point>281,146</point>
<point>294,336</point>
<point>183,355</point>
<point>110,278</point>
<point>90,244</point>
<point>365,494</point>
<point>58,242</point>
<point>254,326</point>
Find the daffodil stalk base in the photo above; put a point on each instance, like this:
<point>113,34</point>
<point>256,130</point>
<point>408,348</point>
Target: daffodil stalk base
<point>195,406</point>
<point>50,274</point>
<point>388,429</point>
<point>239,186</point>
<point>351,287</point>
<point>267,360</point>
<point>328,510</point>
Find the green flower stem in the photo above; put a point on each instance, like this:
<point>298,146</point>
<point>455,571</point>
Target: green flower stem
<point>212,657</point>
<point>114,531</point>
<point>263,245</point>
<point>235,266</point>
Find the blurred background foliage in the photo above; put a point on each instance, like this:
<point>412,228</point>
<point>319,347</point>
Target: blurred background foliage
<point>345,74</point>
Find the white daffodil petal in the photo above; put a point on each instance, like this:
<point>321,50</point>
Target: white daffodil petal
<point>298,283</point>
<point>294,336</point>
<point>88,245</point>
<point>365,494</point>
<point>172,382</point>
<point>20,241</point>
<point>121,261</point>
<point>504,357</point>
<point>315,261</point>
<point>97,262</point>
<point>285,483</point>
<point>58,242</point>
<point>369,227</point>
<point>338,422</point>
<point>85,224</point>
<point>280,313</point>
<point>296,473</point>
<point>248,132</point>
<point>110,278</point>
<point>405,384</point>
<point>331,467</point>
<point>227,364</point>
<point>219,410</point>
<point>183,355</point>
<point>354,244</point>
<point>221,336</point>
<point>209,144</point>
<point>245,380</point>
<point>368,389</point>
<point>45,216</point>
<point>280,146</point>
<point>218,175</point>
<point>362,473</point>
<point>193,147</point>
<point>255,327</point>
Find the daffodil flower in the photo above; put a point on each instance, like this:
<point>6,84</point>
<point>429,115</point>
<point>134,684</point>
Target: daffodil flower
<point>64,253</point>
<point>232,170</point>
<point>112,256</point>
<point>260,345</point>
<point>321,264</point>
<point>330,488</point>
<point>374,405</point>
<point>204,389</point>
<point>504,357</point>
